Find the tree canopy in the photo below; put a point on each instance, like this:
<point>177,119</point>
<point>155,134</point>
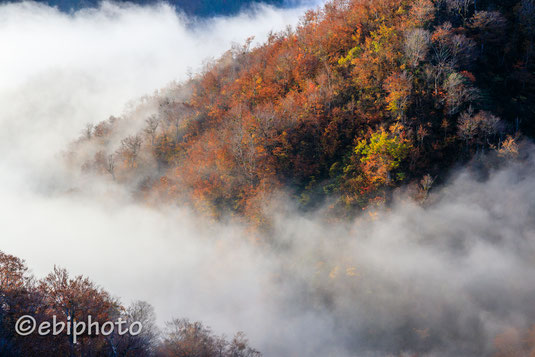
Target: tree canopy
<point>361,97</point>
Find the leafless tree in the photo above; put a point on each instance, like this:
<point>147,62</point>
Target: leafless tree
<point>426,183</point>
<point>462,49</point>
<point>417,46</point>
<point>110,165</point>
<point>87,133</point>
<point>239,347</point>
<point>480,126</point>
<point>130,147</point>
<point>151,128</point>
<point>174,114</point>
<point>186,339</point>
<point>450,52</point>
<point>243,148</point>
<point>141,345</point>
<point>467,126</point>
<point>458,92</point>
<point>489,124</point>
<point>443,61</point>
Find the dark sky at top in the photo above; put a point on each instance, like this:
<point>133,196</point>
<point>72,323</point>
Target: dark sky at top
<point>201,8</point>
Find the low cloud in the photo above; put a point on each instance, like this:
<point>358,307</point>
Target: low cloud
<point>61,71</point>
<point>442,279</point>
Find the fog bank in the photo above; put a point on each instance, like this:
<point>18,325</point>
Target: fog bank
<point>441,280</point>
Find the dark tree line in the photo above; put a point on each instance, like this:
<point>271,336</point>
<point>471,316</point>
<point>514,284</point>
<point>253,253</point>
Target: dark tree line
<point>71,298</point>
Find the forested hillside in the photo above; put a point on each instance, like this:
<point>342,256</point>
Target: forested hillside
<point>359,184</point>
<point>362,97</point>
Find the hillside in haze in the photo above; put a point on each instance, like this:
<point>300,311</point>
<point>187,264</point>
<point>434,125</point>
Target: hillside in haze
<point>355,180</point>
<point>361,98</point>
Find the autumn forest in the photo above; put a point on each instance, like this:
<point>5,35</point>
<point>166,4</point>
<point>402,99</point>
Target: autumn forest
<point>362,97</point>
<point>376,160</point>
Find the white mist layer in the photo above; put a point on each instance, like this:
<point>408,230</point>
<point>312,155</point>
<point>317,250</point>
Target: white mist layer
<point>444,279</point>
<point>61,71</point>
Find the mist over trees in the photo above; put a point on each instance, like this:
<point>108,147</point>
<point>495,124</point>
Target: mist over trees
<point>71,299</point>
<point>361,98</point>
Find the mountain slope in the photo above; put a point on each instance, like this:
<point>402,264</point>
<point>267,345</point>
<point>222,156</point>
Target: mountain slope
<point>361,98</point>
